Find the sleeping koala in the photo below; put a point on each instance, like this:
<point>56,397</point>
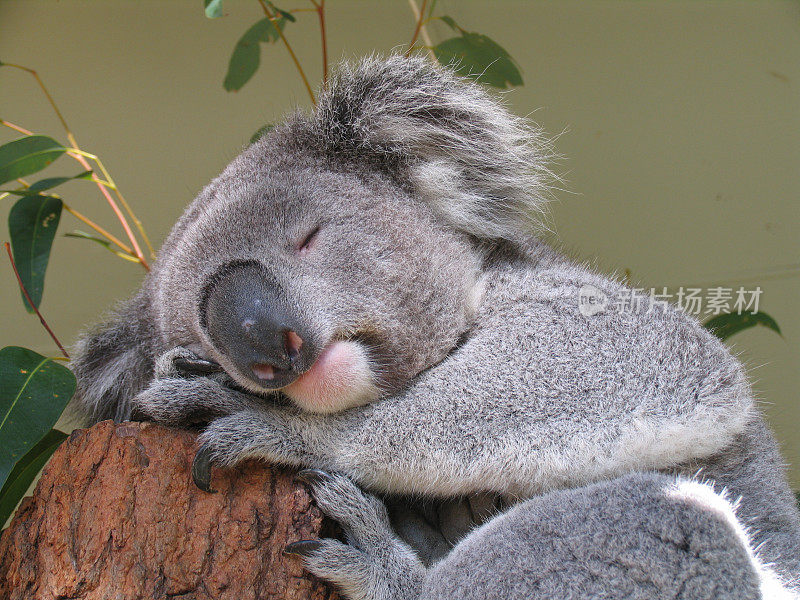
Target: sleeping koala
<point>362,294</point>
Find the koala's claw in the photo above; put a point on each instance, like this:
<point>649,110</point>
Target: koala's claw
<point>302,548</point>
<point>313,476</point>
<point>195,366</point>
<point>201,469</point>
<point>374,563</point>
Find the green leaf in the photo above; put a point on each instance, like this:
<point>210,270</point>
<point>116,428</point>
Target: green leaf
<point>477,56</point>
<point>725,325</point>
<point>87,236</point>
<point>262,131</point>
<point>287,15</point>
<point>451,22</point>
<point>32,223</point>
<point>34,390</point>
<point>213,8</point>
<point>25,471</point>
<point>47,184</point>
<point>247,54</point>
<point>105,243</point>
<point>51,182</point>
<point>27,155</point>
<point>26,192</point>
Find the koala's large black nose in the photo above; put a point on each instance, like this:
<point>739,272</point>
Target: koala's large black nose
<point>249,319</point>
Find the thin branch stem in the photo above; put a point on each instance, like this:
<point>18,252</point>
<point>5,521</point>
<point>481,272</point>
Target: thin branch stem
<point>52,102</point>
<point>274,22</point>
<point>112,184</point>
<point>111,238</point>
<point>99,229</point>
<point>30,302</point>
<point>421,29</point>
<point>78,155</point>
<point>320,6</point>
<point>77,149</point>
<point>16,128</point>
<point>420,15</point>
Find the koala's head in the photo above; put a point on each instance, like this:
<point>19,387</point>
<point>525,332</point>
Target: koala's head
<point>340,256</point>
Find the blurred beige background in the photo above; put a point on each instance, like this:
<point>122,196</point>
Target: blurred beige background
<point>680,121</point>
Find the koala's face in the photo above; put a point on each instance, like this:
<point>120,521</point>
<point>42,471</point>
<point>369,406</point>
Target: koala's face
<point>332,288</point>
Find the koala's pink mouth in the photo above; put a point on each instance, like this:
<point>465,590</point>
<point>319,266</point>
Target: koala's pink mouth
<point>264,371</point>
<point>340,378</point>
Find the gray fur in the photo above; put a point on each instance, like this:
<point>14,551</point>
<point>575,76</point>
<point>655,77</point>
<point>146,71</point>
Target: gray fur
<point>491,388</point>
<point>115,361</point>
<point>481,168</point>
<point>640,536</point>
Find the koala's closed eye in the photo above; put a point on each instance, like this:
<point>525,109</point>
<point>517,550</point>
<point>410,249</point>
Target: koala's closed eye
<point>309,241</point>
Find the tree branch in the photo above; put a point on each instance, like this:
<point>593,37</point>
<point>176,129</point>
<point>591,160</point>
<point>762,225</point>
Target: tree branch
<point>30,302</point>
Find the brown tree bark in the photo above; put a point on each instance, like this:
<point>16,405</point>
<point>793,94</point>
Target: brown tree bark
<point>116,515</point>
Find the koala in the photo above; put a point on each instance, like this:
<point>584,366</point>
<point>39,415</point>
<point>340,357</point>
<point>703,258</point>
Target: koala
<point>364,294</point>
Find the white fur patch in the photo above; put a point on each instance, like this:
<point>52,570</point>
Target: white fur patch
<point>702,494</point>
<point>340,378</point>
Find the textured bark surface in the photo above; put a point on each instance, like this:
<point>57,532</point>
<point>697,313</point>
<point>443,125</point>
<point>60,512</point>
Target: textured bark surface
<point>116,515</point>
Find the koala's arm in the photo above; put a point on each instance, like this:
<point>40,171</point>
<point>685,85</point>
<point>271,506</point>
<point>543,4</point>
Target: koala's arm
<point>538,397</point>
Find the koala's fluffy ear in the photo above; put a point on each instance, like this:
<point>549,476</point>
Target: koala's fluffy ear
<point>480,167</point>
<point>114,362</point>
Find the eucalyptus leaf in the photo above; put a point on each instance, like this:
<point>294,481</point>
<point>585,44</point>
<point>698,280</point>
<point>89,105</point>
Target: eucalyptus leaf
<point>261,131</point>
<point>213,8</point>
<point>27,155</point>
<point>51,182</point>
<point>246,55</point>
<point>82,235</point>
<point>725,325</point>
<point>25,471</point>
<point>47,184</point>
<point>34,390</point>
<point>477,56</point>
<point>289,16</point>
<point>32,224</point>
<point>450,22</point>
<point>26,192</point>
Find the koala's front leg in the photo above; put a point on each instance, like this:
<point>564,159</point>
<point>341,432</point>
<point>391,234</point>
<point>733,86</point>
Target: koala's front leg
<point>270,433</point>
<point>187,390</point>
<point>375,564</point>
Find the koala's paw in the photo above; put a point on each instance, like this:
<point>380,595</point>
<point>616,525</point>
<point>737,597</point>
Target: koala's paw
<point>178,401</point>
<point>253,431</point>
<point>375,564</point>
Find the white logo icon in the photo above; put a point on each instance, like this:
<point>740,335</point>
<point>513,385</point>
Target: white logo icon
<point>591,301</point>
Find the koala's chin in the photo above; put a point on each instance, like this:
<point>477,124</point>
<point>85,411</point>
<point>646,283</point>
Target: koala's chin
<point>340,378</point>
